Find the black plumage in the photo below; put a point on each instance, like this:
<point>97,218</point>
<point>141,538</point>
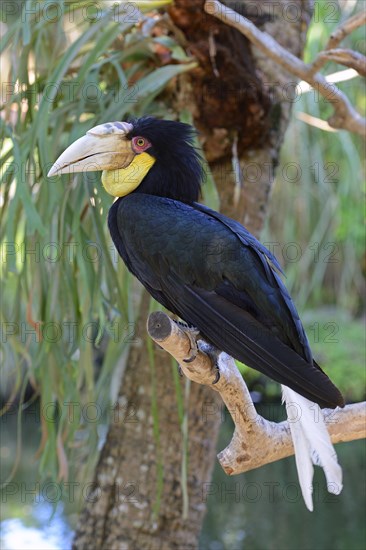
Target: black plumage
<point>210,270</point>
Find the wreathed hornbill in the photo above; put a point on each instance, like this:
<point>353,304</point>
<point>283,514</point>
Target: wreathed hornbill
<point>208,269</point>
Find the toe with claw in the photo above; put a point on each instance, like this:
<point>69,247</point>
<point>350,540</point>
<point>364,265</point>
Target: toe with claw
<point>217,374</point>
<point>192,335</point>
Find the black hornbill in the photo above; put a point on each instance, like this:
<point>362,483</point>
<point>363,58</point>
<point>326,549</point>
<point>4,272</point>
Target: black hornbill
<point>199,264</point>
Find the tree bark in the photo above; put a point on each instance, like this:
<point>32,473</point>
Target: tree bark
<point>256,441</point>
<point>127,479</point>
<point>238,105</point>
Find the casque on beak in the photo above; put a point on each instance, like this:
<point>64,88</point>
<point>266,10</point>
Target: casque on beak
<point>104,147</point>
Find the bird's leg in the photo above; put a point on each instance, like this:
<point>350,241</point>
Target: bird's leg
<point>194,349</point>
<point>192,333</point>
<point>213,353</point>
<point>217,377</point>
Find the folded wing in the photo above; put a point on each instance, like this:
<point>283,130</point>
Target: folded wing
<point>215,275</point>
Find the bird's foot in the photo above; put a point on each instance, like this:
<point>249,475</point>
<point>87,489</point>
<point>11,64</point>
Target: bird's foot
<point>217,374</point>
<point>192,335</point>
<point>214,354</point>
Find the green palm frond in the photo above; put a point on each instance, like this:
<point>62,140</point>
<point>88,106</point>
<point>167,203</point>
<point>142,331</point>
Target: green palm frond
<point>68,312</point>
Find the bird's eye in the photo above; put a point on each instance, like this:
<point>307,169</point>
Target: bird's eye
<point>140,144</point>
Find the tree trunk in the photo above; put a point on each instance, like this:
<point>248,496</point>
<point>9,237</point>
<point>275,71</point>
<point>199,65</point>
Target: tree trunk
<point>125,512</point>
<point>139,494</point>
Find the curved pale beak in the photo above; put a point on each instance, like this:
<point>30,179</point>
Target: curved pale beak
<point>104,147</point>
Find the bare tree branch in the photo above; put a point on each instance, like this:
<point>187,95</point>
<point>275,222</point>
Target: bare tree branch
<point>337,36</point>
<point>344,116</point>
<point>349,58</point>
<point>256,441</point>
<point>345,29</point>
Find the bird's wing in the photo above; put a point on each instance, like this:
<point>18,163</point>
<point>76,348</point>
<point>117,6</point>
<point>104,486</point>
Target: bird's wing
<point>220,279</point>
<point>269,270</point>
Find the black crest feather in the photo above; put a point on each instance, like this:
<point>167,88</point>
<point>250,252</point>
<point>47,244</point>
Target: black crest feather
<point>177,172</point>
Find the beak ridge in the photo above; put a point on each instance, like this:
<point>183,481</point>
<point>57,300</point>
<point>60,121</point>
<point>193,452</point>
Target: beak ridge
<point>104,147</point>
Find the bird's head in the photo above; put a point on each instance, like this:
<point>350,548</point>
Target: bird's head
<point>145,155</point>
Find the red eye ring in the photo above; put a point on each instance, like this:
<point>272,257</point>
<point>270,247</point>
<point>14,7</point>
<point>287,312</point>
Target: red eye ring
<point>140,144</point>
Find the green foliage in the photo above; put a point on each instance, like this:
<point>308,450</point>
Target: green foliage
<point>338,344</point>
<point>69,310</point>
<point>316,219</point>
<point>316,222</point>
